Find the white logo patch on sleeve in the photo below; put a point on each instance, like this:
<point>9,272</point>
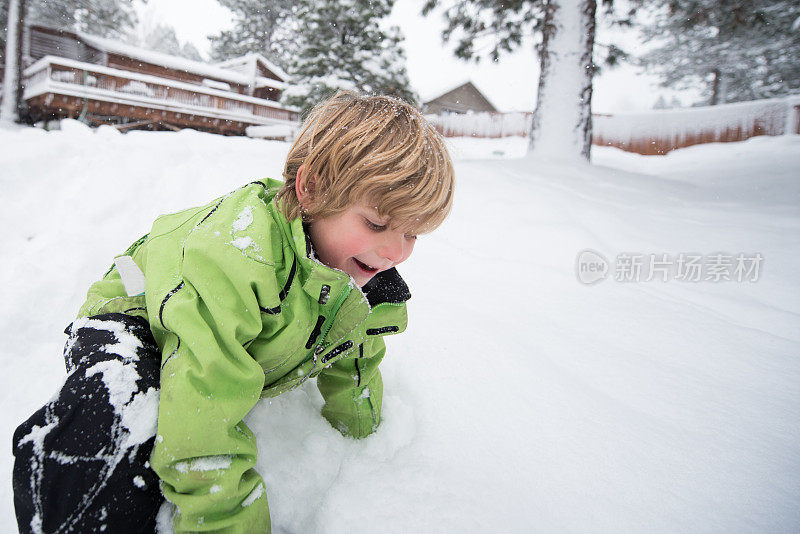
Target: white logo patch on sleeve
<point>132,276</point>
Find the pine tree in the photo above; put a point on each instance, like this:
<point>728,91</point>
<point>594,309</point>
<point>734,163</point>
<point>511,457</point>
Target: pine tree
<point>661,103</point>
<point>261,26</point>
<point>106,18</point>
<point>732,50</point>
<point>341,45</point>
<point>162,38</point>
<point>188,50</point>
<point>565,31</point>
<point>3,30</point>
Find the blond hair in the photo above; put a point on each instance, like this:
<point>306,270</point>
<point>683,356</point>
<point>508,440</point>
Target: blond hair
<point>374,150</point>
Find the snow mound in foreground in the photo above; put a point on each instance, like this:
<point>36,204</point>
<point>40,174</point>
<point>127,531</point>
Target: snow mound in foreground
<point>518,397</point>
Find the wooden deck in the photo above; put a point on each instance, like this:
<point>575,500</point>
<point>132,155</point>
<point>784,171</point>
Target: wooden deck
<point>60,88</point>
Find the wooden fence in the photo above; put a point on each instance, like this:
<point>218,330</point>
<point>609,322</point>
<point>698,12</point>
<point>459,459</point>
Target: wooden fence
<point>489,125</point>
<point>653,132</point>
<point>660,131</point>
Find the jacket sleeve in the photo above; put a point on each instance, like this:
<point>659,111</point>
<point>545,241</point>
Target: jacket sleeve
<point>204,453</point>
<point>353,391</point>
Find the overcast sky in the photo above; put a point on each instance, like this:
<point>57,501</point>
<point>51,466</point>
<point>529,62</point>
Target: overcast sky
<point>509,84</point>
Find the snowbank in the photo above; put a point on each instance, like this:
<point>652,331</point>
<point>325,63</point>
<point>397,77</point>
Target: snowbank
<point>519,398</point>
<point>272,131</point>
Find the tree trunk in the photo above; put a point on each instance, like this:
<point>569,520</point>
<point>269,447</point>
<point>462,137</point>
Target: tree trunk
<point>562,121</point>
<point>22,106</point>
<point>8,105</point>
<point>722,93</point>
<point>715,88</point>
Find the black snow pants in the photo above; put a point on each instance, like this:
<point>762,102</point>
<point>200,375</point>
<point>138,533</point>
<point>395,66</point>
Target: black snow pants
<point>81,461</point>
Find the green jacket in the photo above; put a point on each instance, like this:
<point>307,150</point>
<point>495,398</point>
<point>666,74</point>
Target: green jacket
<point>241,312</point>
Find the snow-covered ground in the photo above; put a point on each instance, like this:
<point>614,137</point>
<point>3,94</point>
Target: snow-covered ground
<point>519,399</point>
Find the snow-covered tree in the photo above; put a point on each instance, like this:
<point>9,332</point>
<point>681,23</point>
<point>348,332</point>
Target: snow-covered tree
<point>564,31</point>
<point>188,50</point>
<point>3,29</point>
<point>108,18</point>
<point>732,50</point>
<point>161,38</point>
<point>260,26</point>
<point>341,44</point>
<point>661,103</point>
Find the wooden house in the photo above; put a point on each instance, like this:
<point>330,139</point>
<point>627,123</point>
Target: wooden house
<point>77,75</point>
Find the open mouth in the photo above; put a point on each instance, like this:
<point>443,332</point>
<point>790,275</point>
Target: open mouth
<point>366,268</point>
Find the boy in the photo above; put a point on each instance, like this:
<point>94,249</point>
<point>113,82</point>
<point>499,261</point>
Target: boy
<point>244,298</point>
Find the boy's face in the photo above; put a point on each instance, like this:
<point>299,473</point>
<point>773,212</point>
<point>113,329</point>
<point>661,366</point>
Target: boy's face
<point>359,243</point>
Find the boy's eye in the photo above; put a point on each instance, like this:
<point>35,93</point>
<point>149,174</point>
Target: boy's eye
<point>375,227</point>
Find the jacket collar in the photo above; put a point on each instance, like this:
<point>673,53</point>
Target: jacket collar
<point>386,286</point>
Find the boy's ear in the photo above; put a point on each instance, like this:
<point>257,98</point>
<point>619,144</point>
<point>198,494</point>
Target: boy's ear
<point>303,187</point>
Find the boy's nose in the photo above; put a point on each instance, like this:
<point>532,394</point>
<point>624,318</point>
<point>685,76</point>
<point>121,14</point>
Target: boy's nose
<point>394,247</point>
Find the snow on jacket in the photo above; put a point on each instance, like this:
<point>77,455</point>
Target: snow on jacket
<point>242,311</point>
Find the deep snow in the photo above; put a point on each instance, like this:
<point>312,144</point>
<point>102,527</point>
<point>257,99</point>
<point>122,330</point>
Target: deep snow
<point>519,399</point>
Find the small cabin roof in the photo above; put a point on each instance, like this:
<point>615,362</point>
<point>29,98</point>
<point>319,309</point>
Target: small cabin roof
<point>252,60</point>
<point>436,88</point>
<point>441,94</point>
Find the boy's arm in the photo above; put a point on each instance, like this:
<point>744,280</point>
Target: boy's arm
<point>353,391</point>
<point>204,454</point>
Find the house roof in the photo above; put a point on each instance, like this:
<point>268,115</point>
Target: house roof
<point>436,88</point>
<point>252,60</point>
<point>468,84</point>
<point>218,72</point>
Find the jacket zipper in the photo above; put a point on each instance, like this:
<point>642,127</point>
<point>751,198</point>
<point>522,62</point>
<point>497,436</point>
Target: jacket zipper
<point>358,370</point>
<point>320,347</point>
<point>326,326</point>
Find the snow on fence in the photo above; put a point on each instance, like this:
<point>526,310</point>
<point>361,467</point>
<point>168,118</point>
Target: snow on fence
<point>659,131</point>
<point>651,132</point>
<point>492,125</point>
